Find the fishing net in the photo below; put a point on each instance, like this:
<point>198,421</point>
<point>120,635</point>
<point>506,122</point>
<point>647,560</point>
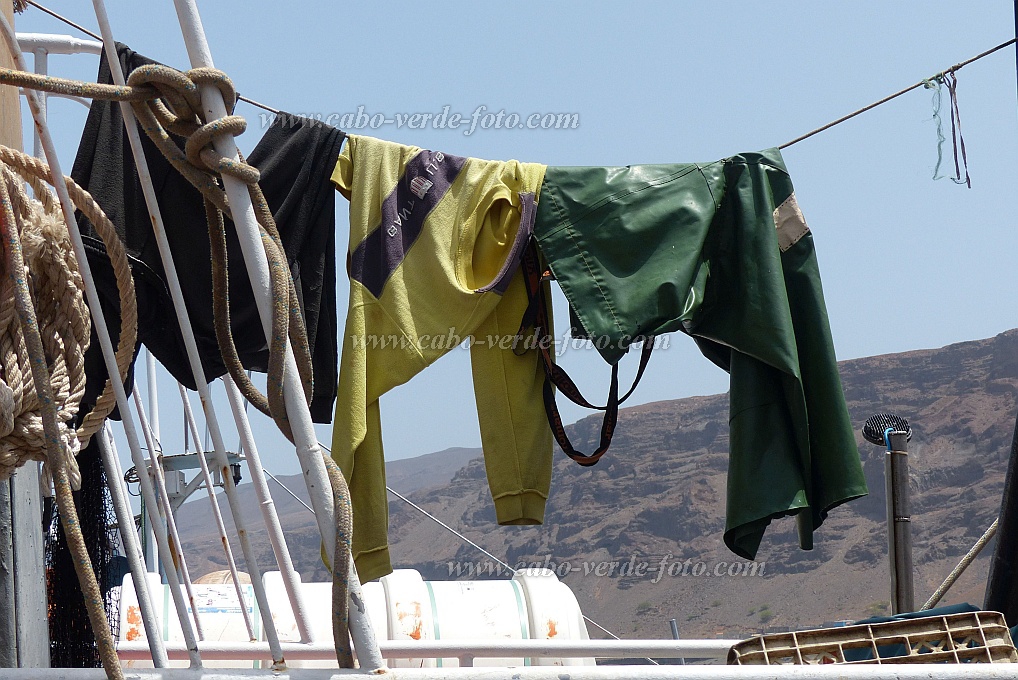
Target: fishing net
<point>72,643</point>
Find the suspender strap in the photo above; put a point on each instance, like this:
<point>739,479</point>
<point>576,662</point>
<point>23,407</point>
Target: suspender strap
<point>536,317</point>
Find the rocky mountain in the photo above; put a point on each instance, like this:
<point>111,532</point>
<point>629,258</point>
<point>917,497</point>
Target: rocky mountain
<point>657,500</point>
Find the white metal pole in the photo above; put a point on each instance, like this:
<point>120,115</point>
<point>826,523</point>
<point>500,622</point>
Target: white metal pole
<point>150,541</point>
<point>188,334</point>
<point>480,649</point>
<point>57,44</point>
<point>99,321</point>
<point>155,459</point>
<point>216,512</point>
<point>132,547</point>
<point>308,451</point>
<point>254,464</point>
<point>41,64</point>
<point>153,394</point>
<point>258,271</point>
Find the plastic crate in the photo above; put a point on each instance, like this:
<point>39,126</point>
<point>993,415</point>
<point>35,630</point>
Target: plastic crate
<point>972,637</point>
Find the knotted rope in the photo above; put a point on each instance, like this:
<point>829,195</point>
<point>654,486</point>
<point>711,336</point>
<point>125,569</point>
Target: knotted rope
<point>166,100</point>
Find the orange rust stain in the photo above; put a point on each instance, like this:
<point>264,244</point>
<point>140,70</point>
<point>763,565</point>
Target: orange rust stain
<point>552,628</point>
<point>133,618</point>
<point>418,624</point>
<point>173,551</point>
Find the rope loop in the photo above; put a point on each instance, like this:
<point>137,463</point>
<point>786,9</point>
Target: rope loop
<point>164,101</point>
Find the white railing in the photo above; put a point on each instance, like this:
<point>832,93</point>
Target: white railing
<point>465,651</point>
<point>719,672</point>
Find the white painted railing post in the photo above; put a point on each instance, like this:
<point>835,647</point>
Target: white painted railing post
<point>219,448</point>
<point>291,582</point>
<point>132,545</point>
<point>308,451</point>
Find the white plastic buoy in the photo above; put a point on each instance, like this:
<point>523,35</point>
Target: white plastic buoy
<point>533,605</point>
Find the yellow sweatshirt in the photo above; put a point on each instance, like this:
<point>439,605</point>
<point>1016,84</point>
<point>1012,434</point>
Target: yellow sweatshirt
<point>435,243</point>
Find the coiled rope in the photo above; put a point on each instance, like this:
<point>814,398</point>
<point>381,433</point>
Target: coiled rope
<point>57,286</point>
<point>166,100</point>
<point>54,342</point>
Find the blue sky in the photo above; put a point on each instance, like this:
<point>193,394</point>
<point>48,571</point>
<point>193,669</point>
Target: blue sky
<point>907,262</point>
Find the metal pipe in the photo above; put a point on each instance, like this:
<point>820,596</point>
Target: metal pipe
<point>216,512</point>
<point>40,65</point>
<point>156,466</point>
<point>291,581</point>
<point>99,323</point>
<point>435,649</point>
<point>889,513</point>
<point>87,103</point>
<point>256,263</point>
<point>153,394</point>
<point>132,547</point>
<point>673,624</point>
<point>901,528</point>
<point>57,44</point>
<point>150,366</point>
<point>187,332</point>
<point>305,439</point>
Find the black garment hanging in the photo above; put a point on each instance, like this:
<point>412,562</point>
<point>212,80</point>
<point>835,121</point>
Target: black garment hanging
<point>295,157</point>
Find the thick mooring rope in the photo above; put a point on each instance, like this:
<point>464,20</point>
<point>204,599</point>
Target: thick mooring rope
<point>36,172</point>
<point>64,327</point>
<point>64,322</point>
<point>166,100</point>
<point>341,560</point>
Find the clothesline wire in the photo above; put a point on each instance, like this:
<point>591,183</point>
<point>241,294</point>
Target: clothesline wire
<point>501,562</point>
<point>446,526</point>
<point>897,94</point>
<point>782,146</point>
<point>466,540</point>
<point>285,488</point>
<point>99,37</point>
<point>64,19</point>
<point>258,104</point>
